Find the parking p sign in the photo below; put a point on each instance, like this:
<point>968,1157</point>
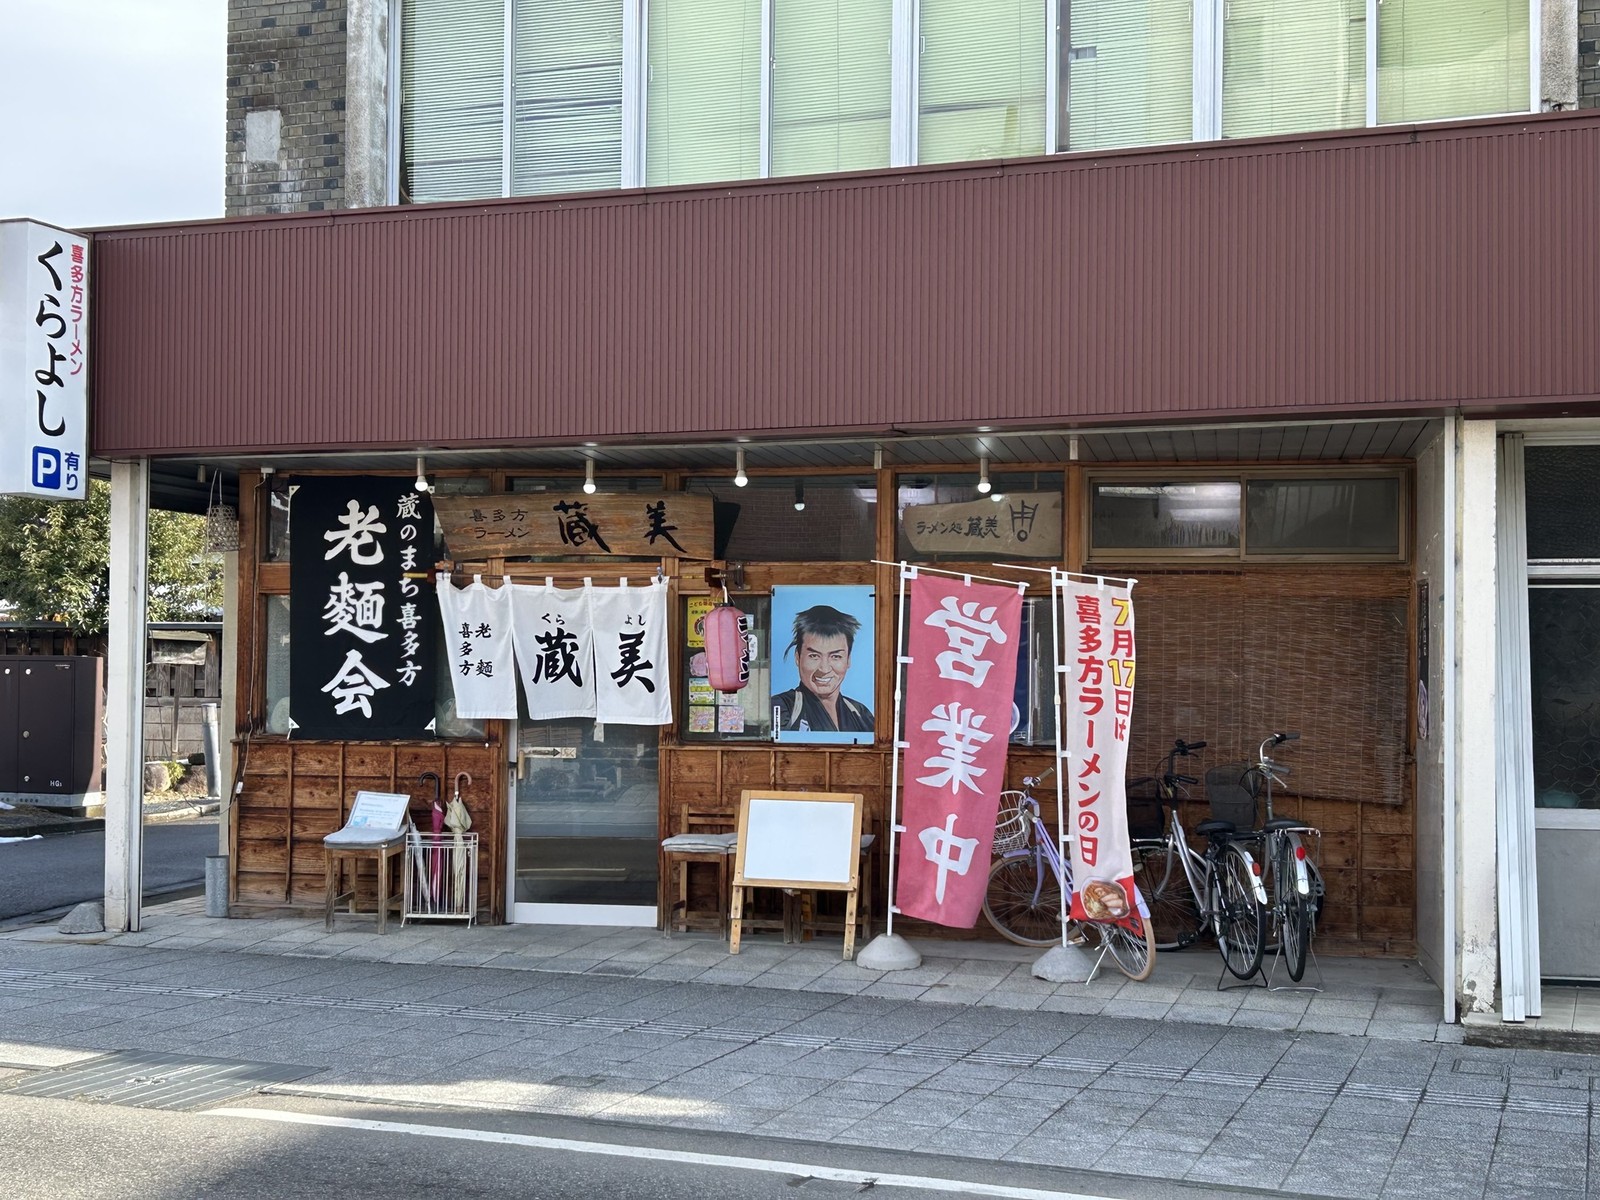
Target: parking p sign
<point>44,360</point>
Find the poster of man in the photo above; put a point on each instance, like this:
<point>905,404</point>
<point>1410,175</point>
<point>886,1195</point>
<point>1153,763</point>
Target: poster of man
<point>823,678</point>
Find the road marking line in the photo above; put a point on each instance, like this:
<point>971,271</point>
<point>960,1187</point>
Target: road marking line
<point>771,1166</point>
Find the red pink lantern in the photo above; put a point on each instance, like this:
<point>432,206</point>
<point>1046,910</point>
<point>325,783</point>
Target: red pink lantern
<point>727,650</point>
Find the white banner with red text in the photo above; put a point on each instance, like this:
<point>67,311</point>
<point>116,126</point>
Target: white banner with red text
<point>962,648</point>
<point>1097,652</point>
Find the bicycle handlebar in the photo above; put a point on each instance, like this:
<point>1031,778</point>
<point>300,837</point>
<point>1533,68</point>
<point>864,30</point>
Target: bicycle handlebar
<point>1187,748</point>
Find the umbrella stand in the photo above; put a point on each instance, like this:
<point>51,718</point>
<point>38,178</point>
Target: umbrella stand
<point>448,903</point>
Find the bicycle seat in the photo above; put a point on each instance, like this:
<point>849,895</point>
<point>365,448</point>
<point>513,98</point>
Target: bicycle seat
<point>1279,823</point>
<point>1213,828</point>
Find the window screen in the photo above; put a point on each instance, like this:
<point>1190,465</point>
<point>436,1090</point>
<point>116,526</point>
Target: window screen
<point>704,101</point>
<point>1444,58</point>
<point>1129,69</point>
<point>981,81</point>
<point>830,85</point>
<point>566,87</point>
<point>452,98</point>
<point>1289,66</point>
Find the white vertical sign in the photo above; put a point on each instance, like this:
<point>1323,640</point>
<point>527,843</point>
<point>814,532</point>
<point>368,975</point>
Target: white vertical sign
<point>44,360</point>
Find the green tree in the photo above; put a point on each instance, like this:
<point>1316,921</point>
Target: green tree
<point>55,562</point>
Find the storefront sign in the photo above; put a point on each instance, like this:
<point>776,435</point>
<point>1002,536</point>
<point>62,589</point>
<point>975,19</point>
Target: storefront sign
<point>361,647</point>
<point>44,343</point>
<point>630,655</point>
<point>1015,525</point>
<point>1097,690</point>
<point>554,634</point>
<point>477,638</point>
<point>518,524</point>
<point>962,646</point>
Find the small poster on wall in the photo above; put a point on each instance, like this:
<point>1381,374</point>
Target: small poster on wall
<point>824,677</point>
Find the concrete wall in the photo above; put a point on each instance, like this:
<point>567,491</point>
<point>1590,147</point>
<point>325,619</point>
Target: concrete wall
<point>1433,558</point>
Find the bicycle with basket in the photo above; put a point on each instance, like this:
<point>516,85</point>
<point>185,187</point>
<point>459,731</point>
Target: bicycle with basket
<point>1030,891</point>
<point>1189,892</point>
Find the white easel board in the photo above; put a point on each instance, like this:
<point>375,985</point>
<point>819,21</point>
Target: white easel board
<point>798,840</point>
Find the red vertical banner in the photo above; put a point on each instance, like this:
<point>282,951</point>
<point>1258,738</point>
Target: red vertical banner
<point>1097,692</point>
<point>963,650</point>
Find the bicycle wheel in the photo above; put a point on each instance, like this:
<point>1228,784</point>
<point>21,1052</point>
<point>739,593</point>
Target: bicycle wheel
<point>1134,953</point>
<point>1024,900</point>
<point>1237,919</point>
<point>1173,912</point>
<point>1294,915</point>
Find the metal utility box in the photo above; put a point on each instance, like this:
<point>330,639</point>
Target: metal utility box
<point>50,730</point>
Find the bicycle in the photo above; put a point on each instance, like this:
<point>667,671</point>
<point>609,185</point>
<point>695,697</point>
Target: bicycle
<point>1296,884</point>
<point>1188,892</point>
<point>1025,901</point>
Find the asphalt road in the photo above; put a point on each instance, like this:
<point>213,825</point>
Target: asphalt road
<point>65,869</point>
<point>276,1148</point>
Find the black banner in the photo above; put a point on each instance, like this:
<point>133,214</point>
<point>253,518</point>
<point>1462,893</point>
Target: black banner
<point>361,650</point>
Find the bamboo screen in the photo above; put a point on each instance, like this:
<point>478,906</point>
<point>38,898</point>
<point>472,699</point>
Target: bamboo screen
<point>1228,658</point>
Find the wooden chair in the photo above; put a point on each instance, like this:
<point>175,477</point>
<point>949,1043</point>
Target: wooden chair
<point>676,858</point>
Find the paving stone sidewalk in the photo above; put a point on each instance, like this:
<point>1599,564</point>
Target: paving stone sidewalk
<point>1382,998</point>
<point>1312,1113</point>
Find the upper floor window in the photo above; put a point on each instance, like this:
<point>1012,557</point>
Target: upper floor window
<point>476,121</point>
<point>830,86</point>
<point>704,99</point>
<point>1127,69</point>
<point>981,80</point>
<point>519,97</point>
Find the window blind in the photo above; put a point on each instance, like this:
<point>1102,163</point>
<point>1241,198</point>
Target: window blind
<point>1130,68</point>
<point>452,81</point>
<point>704,100</point>
<point>1293,65</point>
<point>1451,58</point>
<point>830,85</point>
<point>981,81</point>
<point>566,96</point>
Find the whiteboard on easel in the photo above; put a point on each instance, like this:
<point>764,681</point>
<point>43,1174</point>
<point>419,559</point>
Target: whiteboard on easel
<point>798,839</point>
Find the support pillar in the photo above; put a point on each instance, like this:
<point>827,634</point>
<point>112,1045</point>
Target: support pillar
<point>1475,713</point>
<point>125,676</point>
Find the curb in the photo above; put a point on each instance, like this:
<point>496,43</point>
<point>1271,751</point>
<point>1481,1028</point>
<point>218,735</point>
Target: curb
<point>54,828</point>
<point>1510,1037</point>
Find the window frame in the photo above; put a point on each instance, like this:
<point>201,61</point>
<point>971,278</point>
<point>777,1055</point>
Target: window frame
<point>1243,476</point>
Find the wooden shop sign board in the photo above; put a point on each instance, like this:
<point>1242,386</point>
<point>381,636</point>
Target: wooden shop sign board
<point>806,841</point>
<point>1013,525</point>
<point>624,524</point>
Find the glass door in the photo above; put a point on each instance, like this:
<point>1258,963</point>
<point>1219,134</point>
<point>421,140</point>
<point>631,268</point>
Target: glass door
<point>585,824</point>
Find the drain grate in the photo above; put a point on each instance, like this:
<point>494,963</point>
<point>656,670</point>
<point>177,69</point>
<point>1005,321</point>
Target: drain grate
<point>146,1079</point>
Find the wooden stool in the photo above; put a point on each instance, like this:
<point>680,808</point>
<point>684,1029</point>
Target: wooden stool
<point>379,852</point>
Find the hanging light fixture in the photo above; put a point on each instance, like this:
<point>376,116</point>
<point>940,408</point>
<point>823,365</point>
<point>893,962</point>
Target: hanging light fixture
<point>983,475</point>
<point>422,475</point>
<point>588,476</point>
<point>799,496</point>
<point>739,477</point>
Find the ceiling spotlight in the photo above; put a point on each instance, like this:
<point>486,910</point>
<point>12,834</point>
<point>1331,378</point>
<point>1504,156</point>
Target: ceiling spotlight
<point>739,477</point>
<point>799,496</point>
<point>422,475</point>
<point>983,475</point>
<point>588,476</point>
